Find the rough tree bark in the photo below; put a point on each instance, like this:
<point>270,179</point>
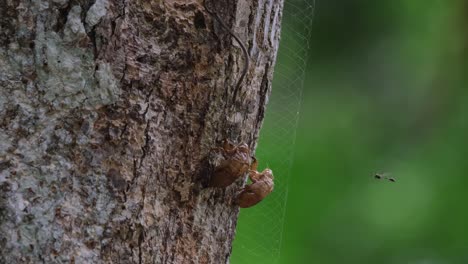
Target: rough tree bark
<point>108,112</point>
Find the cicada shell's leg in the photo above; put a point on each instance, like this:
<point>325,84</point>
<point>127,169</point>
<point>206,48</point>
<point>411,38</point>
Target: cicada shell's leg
<point>229,147</point>
<point>253,175</point>
<point>254,164</point>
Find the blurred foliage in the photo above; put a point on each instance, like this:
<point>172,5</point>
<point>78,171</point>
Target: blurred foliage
<point>385,91</point>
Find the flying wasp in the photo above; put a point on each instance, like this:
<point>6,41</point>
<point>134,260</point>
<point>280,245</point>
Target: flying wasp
<point>380,176</point>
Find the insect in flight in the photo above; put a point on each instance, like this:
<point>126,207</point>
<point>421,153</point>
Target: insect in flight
<point>380,176</point>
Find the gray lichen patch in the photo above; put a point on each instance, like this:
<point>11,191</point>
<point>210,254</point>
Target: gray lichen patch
<point>44,201</point>
<point>67,70</point>
<point>108,91</point>
<point>96,12</point>
<point>74,29</point>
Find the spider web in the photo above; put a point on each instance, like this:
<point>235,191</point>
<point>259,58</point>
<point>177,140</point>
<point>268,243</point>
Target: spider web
<point>260,228</point>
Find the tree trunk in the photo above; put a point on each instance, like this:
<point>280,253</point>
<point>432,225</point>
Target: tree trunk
<point>109,110</point>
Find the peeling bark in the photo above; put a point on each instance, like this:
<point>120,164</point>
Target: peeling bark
<point>108,112</point>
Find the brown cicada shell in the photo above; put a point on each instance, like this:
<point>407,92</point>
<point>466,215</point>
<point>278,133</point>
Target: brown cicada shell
<point>237,161</point>
<point>262,185</point>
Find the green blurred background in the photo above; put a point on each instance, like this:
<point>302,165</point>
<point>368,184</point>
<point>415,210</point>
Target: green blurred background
<point>385,90</point>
